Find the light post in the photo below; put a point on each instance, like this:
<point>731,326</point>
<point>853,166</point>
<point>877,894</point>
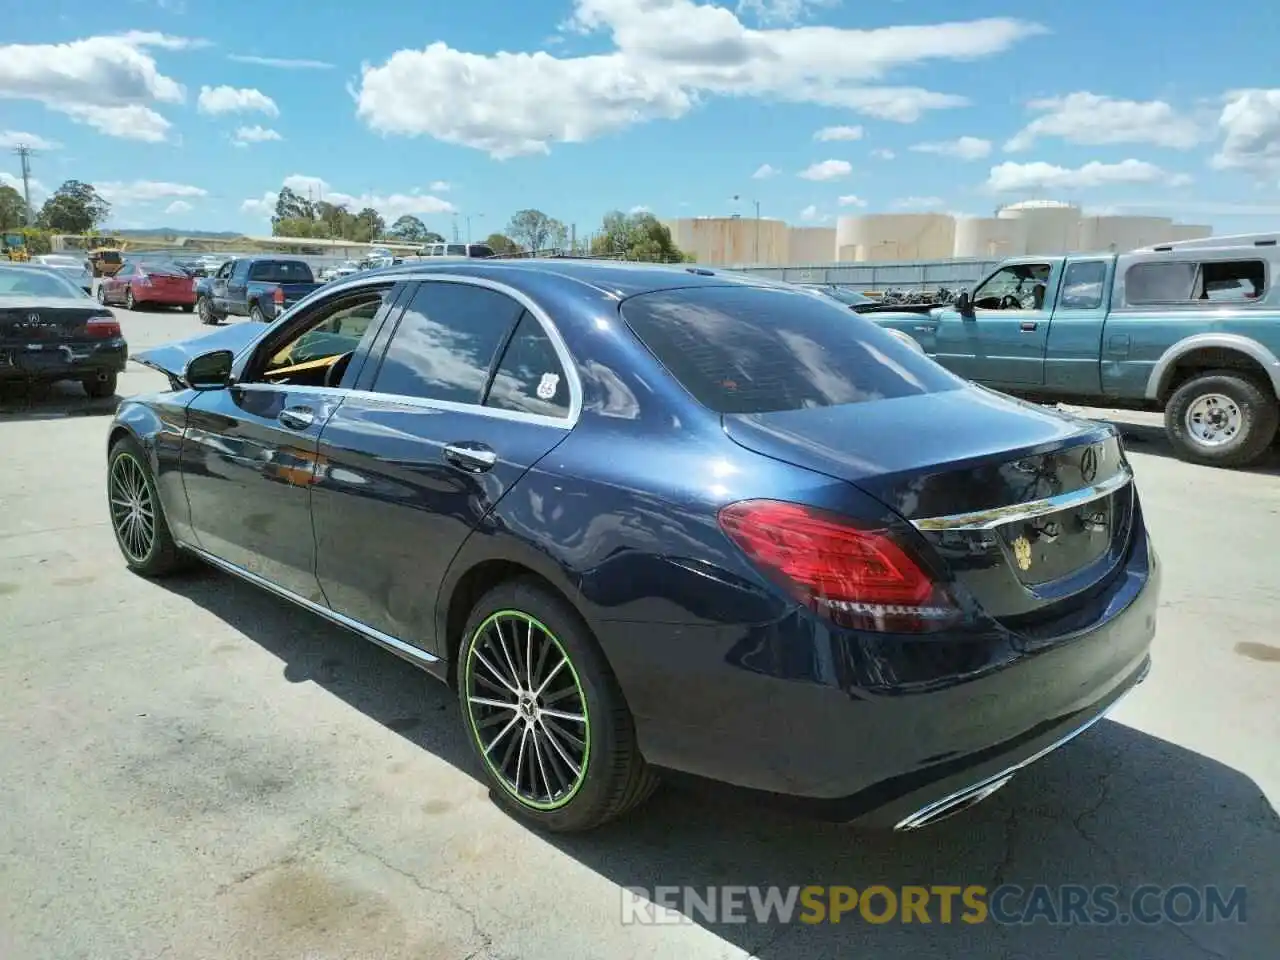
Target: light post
<point>757,206</point>
<point>478,216</point>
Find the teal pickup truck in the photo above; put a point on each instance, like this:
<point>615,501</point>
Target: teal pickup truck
<point>1191,328</point>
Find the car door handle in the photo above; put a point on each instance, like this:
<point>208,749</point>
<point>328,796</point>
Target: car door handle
<point>296,418</point>
<point>476,459</point>
<point>1028,326</point>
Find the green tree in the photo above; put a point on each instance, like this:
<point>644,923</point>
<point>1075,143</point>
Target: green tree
<point>335,218</point>
<point>534,230</point>
<point>432,237</point>
<point>13,211</point>
<point>501,243</point>
<point>637,236</point>
<point>409,229</point>
<point>298,227</point>
<point>368,225</point>
<point>75,207</point>
<point>291,205</point>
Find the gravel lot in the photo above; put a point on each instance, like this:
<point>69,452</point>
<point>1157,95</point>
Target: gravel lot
<point>197,770</point>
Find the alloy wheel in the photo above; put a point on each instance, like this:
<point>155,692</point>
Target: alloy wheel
<point>527,710</point>
<point>133,511</point>
<point>128,299</point>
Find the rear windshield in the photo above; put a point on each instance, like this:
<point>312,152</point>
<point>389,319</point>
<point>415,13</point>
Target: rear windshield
<point>35,283</point>
<point>281,271</point>
<point>756,350</point>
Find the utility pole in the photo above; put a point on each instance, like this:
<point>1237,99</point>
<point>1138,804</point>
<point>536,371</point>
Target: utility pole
<point>455,228</point>
<point>737,197</point>
<point>24,157</point>
<point>470,236</point>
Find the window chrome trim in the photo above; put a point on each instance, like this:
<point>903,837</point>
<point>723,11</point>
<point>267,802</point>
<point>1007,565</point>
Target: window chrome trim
<point>394,644</point>
<point>569,368</point>
<point>990,519</point>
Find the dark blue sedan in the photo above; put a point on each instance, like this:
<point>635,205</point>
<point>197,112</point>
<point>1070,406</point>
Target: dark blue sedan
<point>659,518</point>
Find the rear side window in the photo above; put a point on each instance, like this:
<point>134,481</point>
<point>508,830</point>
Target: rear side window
<point>756,350</point>
<point>1082,285</point>
<point>445,343</point>
<point>1159,282</point>
<point>281,271</point>
<point>530,378</point>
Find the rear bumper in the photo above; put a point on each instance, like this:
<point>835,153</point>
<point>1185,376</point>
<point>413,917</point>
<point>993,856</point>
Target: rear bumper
<point>875,729</point>
<point>62,361</point>
<point>165,298</point>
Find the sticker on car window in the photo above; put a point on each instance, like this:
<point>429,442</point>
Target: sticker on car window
<point>547,386</point>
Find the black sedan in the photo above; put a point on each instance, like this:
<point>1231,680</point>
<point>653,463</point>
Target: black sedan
<point>50,329</point>
<point>659,518</point>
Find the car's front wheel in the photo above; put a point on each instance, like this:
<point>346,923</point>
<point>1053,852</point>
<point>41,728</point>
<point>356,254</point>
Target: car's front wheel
<point>102,294</point>
<point>137,516</point>
<point>205,310</point>
<point>255,314</point>
<point>544,713</point>
<point>129,302</point>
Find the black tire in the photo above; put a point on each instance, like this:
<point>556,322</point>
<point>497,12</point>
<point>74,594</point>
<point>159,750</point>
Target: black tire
<point>614,777</point>
<point>162,556</point>
<point>255,314</point>
<point>102,294</point>
<point>205,311</point>
<point>1259,418</point>
<point>100,389</point>
<point>128,300</point>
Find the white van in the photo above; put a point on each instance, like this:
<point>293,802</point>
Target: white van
<point>456,250</point>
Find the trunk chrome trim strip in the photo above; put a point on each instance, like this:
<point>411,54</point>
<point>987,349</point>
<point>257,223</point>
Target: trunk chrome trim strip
<point>990,519</point>
<point>395,645</point>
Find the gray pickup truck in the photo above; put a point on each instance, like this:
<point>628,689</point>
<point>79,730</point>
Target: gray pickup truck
<point>1190,328</point>
<point>260,288</point>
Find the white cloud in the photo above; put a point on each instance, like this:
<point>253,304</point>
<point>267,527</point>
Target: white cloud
<point>107,82</point>
<point>224,99</point>
<point>764,172</point>
<point>639,208</point>
<point>839,133</point>
<point>179,206</point>
<point>1094,120</point>
<point>440,186</point>
<point>781,11</point>
<point>280,63</point>
<point>146,191</point>
<point>962,148</point>
<point>37,187</point>
<point>883,154</point>
<point>809,213</point>
<point>391,206</point>
<point>850,200</point>
<point>1250,125</point>
<point>1039,176</point>
<point>14,138</point>
<point>133,122</point>
<point>666,57</point>
<point>826,170</point>
<point>919,203</point>
<point>255,134</point>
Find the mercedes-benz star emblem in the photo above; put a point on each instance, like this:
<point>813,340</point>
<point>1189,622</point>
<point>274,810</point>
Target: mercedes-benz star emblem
<point>1089,464</point>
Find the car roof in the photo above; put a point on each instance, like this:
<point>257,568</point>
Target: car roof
<point>619,279</point>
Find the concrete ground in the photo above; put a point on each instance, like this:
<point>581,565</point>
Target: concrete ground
<point>196,770</point>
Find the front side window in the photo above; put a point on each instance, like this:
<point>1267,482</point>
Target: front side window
<point>1082,285</point>
<point>759,349</point>
<point>318,354</point>
<point>445,344</point>
<point>530,378</point>
<point>1019,286</point>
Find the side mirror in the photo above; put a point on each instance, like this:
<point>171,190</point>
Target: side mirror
<point>209,371</point>
<point>964,306</point>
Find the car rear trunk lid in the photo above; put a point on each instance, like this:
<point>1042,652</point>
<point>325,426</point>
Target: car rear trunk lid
<point>46,320</point>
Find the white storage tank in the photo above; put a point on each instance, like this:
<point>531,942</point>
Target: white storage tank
<point>1190,231</point>
<point>731,240</point>
<point>811,245</point>
<point>1052,226</point>
<point>1122,234</point>
<point>990,238</point>
<point>895,236</point>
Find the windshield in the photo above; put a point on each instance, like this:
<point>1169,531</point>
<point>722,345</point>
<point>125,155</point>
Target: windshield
<point>161,267</point>
<point>36,283</point>
<point>757,349</point>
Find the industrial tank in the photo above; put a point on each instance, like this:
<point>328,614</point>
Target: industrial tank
<point>731,240</point>
<point>990,238</point>
<point>811,245</point>
<point>895,236</point>
<point>1052,226</point>
<point>1190,231</point>
<point>1121,234</point>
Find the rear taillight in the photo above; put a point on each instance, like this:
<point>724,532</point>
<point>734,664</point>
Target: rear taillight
<point>853,576</point>
<point>102,328</point>
<point>278,296</point>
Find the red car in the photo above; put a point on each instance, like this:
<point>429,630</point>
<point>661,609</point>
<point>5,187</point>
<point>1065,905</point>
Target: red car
<point>158,284</point>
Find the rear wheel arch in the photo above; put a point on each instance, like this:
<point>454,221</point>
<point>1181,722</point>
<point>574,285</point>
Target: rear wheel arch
<point>1199,355</point>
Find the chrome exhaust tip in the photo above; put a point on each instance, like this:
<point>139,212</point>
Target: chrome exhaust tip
<point>949,806</point>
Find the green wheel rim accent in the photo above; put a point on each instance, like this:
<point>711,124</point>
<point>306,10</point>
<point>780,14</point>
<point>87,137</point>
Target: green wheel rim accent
<point>133,510</point>
<point>527,710</point>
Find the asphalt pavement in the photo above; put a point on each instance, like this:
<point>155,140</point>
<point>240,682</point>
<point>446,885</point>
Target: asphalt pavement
<point>194,769</point>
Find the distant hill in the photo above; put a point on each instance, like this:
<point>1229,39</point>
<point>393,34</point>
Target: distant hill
<point>177,232</point>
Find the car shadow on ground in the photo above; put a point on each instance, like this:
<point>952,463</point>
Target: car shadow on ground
<point>51,401</point>
<point>1151,438</point>
<point>1115,808</point>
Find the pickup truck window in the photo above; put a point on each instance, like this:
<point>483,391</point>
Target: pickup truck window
<point>1018,286</point>
<point>281,271</point>
<point>1186,281</point>
<point>1082,285</point>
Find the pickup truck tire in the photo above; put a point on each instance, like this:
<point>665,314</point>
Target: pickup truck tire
<point>204,309</point>
<point>255,314</point>
<point>1249,408</point>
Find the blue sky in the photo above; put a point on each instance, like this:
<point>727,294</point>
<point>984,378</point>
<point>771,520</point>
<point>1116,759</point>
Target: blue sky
<point>192,114</point>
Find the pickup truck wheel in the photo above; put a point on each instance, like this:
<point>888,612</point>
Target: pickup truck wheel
<point>1222,418</point>
<point>204,309</point>
<point>255,314</point>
